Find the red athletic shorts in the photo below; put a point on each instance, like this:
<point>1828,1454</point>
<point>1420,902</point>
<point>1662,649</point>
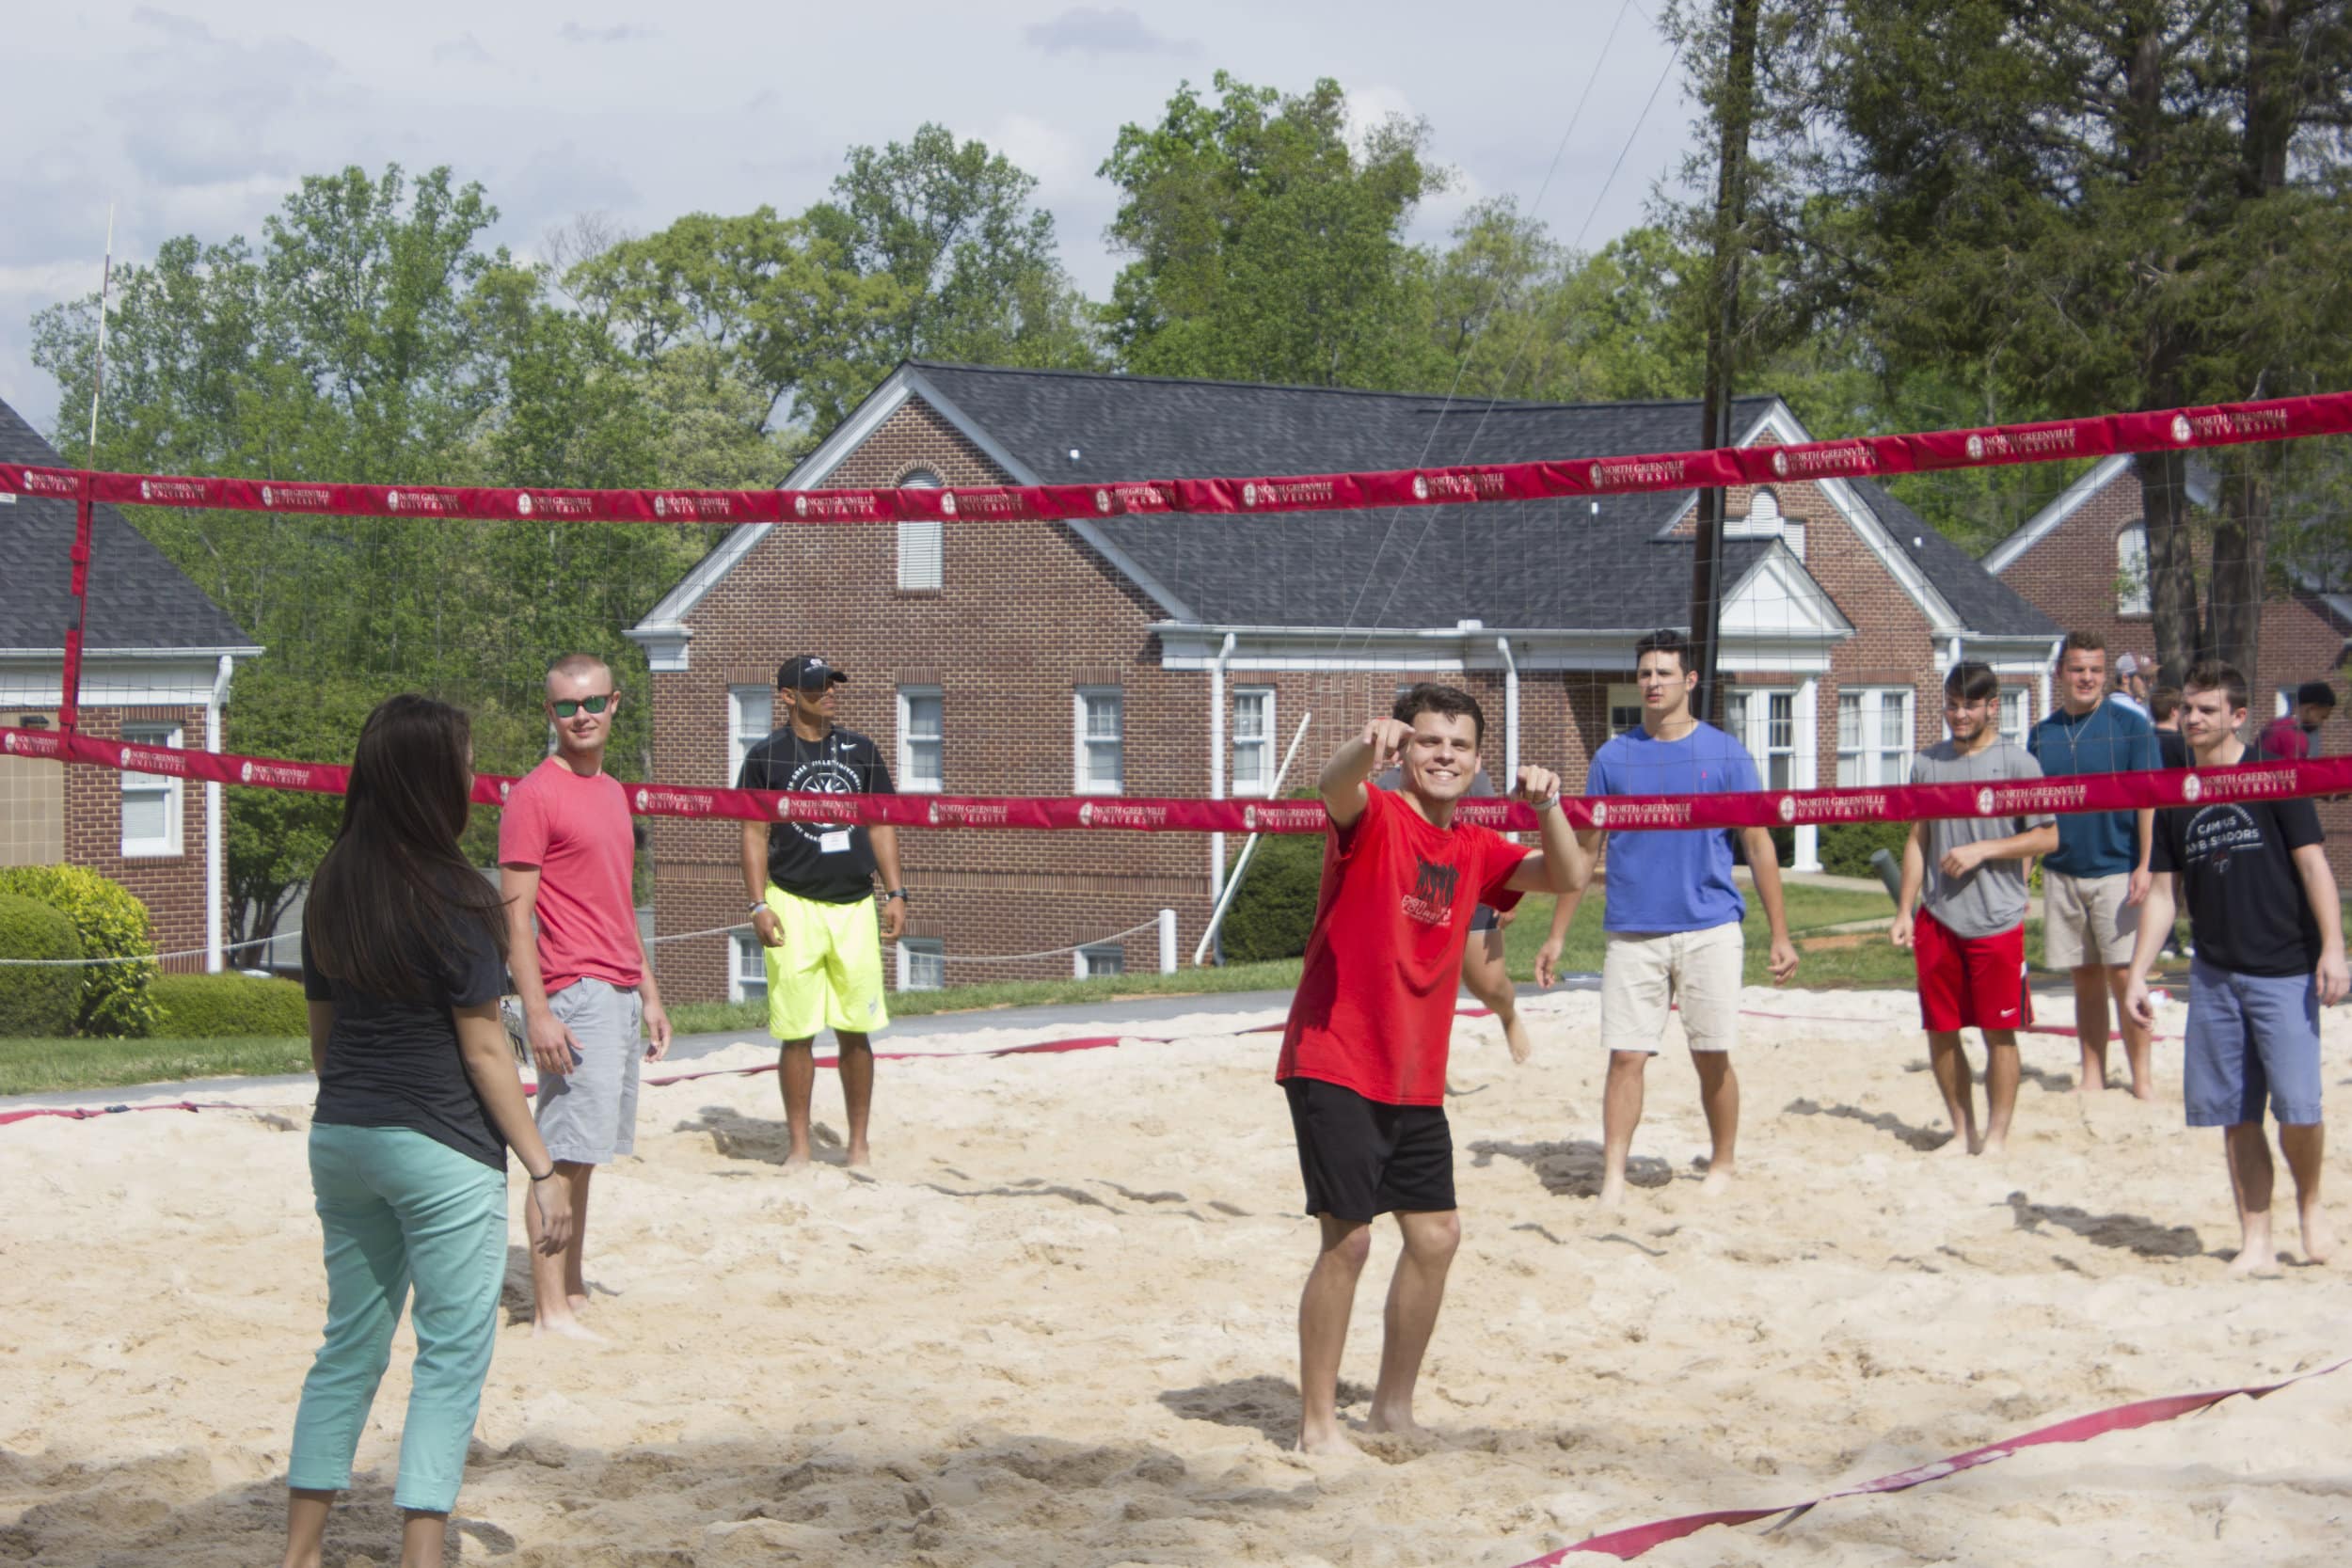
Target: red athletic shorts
<point>1970,982</point>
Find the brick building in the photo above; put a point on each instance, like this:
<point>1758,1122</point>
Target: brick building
<point>1177,656</point>
<point>157,656</point>
<point>2082,561</point>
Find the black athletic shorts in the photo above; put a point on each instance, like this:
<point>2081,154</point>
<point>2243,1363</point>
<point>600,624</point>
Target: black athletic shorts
<point>1484,919</point>
<point>1362,1159</point>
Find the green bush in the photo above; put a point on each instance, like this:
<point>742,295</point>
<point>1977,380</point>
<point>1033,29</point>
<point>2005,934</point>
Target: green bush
<point>37,1000</point>
<point>1274,910</point>
<point>1846,847</point>
<point>214,1006</point>
<point>111,923</point>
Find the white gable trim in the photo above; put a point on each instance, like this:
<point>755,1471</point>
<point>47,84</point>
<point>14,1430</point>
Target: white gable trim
<point>1777,597</point>
<point>2071,501</point>
<point>1942,618</point>
<point>664,632</point>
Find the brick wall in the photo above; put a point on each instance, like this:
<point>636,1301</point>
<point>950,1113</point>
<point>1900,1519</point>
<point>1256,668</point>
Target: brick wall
<point>2070,573</point>
<point>171,886</point>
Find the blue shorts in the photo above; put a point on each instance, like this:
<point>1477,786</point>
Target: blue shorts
<point>2251,1038</point>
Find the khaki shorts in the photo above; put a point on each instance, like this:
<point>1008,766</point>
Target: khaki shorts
<point>1641,976</point>
<point>2085,920</point>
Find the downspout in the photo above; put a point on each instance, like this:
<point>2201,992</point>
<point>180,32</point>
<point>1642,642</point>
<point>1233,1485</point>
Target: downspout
<point>1217,762</point>
<point>2047,665</point>
<point>216,955</point>
<point>1510,719</point>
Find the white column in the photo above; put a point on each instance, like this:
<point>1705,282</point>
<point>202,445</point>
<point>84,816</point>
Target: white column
<point>1510,719</point>
<point>215,855</point>
<point>1808,767</point>
<point>1217,762</point>
<point>1168,942</point>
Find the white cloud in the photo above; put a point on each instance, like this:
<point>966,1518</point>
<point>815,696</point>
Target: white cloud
<point>619,32</point>
<point>1103,30</point>
<point>467,50</point>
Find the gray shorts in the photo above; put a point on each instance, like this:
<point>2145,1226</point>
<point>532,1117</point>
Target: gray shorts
<point>2251,1038</point>
<point>589,1115</point>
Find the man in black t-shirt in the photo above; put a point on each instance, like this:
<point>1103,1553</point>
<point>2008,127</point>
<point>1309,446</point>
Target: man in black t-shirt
<point>812,892</point>
<point>2269,935</point>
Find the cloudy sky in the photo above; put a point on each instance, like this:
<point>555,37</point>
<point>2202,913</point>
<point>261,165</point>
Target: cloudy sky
<point>199,121</point>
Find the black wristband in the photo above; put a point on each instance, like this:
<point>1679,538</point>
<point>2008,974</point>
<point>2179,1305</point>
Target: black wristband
<point>535,1180</point>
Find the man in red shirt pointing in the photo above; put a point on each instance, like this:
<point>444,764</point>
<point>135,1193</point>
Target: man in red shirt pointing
<point>1365,1052</point>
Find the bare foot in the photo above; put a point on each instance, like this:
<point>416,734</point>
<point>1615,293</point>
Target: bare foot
<point>2319,1237</point>
<point>577,1301</point>
<point>1718,1180</point>
<point>1514,1036</point>
<point>566,1328</point>
<point>1400,1422</point>
<point>860,1155</point>
<point>798,1157</point>
<point>2255,1258</point>
<point>1954,1148</point>
<point>2144,1092</point>
<point>1993,1148</point>
<point>2092,1085</point>
<point>1613,1191</point>
<point>1333,1441</point>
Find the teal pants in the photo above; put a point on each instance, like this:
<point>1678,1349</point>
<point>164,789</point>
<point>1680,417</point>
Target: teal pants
<point>400,1210</point>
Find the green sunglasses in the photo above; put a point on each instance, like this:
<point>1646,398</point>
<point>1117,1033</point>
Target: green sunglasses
<point>565,709</point>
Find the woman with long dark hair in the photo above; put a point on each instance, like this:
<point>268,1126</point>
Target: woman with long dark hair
<point>404,961</point>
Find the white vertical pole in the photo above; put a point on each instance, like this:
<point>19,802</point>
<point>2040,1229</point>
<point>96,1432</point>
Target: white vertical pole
<point>216,865</point>
<point>1168,942</point>
<point>1808,767</point>
<point>1241,862</point>
<point>1510,719</point>
<point>1217,762</point>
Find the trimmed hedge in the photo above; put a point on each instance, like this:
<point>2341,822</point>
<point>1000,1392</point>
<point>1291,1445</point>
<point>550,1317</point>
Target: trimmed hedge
<point>111,923</point>
<point>37,1002</point>
<point>211,1006</point>
<point>1275,909</point>
<point>1846,847</point>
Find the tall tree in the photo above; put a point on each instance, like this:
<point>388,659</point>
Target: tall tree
<point>1268,246</point>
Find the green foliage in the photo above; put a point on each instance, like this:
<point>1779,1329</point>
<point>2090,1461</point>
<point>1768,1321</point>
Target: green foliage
<point>1274,910</point>
<point>110,924</point>
<point>214,1006</point>
<point>1266,247</point>
<point>1846,846</point>
<point>37,1000</point>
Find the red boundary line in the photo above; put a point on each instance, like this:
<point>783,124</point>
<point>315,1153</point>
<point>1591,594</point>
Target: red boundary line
<point>1985,446</point>
<point>1632,1541</point>
<point>2267,781</point>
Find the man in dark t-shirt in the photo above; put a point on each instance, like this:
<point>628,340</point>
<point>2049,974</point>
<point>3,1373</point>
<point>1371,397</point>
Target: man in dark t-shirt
<point>813,901</point>
<point>2269,937</point>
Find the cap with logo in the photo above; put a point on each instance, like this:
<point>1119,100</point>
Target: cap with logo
<point>808,672</point>
<point>2128,665</point>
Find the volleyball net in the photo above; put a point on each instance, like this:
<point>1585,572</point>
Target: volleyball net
<point>1177,656</point>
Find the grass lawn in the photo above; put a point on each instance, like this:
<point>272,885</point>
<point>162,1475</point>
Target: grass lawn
<point>1857,960</point>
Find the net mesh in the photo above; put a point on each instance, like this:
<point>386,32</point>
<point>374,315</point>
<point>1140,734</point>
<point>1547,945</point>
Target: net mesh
<point>1075,659</point>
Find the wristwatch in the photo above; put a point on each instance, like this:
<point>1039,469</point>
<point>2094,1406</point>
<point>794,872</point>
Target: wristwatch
<point>897,893</point>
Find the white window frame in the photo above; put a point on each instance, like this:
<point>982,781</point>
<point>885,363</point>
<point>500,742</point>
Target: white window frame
<point>1753,729</point>
<point>1083,744</point>
<point>1084,959</point>
<point>748,706</point>
<point>151,784</point>
<point>2024,697</point>
<point>910,782</point>
<point>1624,697</point>
<point>922,543</point>
<point>1763,519</point>
<point>746,955</point>
<point>2286,698</point>
<point>1259,746</point>
<point>929,948</point>
<point>2133,593</point>
<point>1877,762</point>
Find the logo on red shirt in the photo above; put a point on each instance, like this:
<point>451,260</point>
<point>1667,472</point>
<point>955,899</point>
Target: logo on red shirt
<point>1431,902</point>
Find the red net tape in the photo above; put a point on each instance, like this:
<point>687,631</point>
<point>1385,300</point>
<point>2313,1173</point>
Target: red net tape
<point>2174,429</point>
<point>2269,781</point>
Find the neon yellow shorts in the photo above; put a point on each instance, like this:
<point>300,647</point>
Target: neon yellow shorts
<point>828,975</point>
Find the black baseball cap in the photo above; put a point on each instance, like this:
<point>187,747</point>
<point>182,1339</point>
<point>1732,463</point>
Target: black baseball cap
<point>808,672</point>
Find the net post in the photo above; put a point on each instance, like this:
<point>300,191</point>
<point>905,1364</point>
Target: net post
<point>69,681</point>
<point>1168,942</point>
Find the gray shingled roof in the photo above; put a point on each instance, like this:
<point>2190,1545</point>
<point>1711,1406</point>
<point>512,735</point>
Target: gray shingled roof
<point>1512,564</point>
<point>1983,602</point>
<point>137,598</point>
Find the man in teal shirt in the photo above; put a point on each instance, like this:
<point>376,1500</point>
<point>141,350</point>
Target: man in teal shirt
<point>2091,889</point>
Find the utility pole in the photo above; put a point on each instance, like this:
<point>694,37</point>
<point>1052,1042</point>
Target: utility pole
<point>1733,112</point>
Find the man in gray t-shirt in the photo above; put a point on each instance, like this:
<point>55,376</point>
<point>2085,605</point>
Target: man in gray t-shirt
<point>1968,939</point>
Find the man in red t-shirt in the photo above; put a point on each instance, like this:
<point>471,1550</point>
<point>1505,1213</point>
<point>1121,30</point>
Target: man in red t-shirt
<point>566,851</point>
<point>1365,1052</point>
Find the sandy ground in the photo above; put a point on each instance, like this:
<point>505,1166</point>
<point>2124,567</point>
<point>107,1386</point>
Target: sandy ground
<point>1055,1325</point>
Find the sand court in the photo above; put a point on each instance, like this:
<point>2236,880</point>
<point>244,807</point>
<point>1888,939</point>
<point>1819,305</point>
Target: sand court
<point>1055,1325</point>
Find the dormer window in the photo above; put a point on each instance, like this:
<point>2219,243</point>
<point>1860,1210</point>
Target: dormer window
<point>1764,522</point>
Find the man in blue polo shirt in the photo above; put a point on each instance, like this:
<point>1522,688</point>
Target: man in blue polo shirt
<point>2092,888</point>
<point>1673,917</point>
